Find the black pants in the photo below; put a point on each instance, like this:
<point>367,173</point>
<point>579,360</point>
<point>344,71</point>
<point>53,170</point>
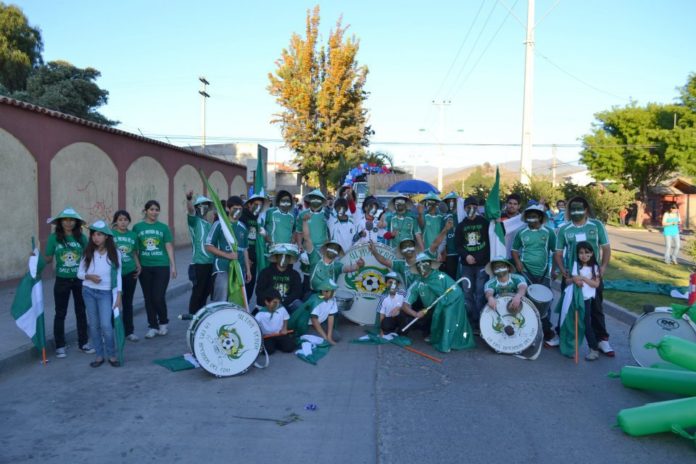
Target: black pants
<point>202,286</point>
<point>284,343</point>
<point>599,324</point>
<point>394,324</point>
<point>154,281</point>
<point>61,295</point>
<point>451,265</point>
<point>128,286</point>
<point>423,324</point>
<point>590,336</point>
<point>252,283</point>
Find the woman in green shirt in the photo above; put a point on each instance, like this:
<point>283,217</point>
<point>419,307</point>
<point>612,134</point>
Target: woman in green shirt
<point>66,244</point>
<point>127,243</point>
<point>156,254</point>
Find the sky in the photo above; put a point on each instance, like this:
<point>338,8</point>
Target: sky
<point>590,55</point>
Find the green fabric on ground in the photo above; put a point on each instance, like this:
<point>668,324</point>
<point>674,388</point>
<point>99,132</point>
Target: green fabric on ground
<point>641,286</point>
<point>318,352</point>
<point>374,339</point>
<point>175,364</point>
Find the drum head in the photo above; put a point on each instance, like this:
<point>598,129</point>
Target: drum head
<point>367,284</point>
<point>539,293</point>
<point>509,333</point>
<point>225,340</point>
<point>344,299</point>
<point>650,328</point>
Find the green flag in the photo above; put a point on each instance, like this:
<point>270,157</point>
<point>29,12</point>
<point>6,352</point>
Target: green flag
<point>496,234</point>
<point>236,293</point>
<point>27,306</point>
<point>261,260</point>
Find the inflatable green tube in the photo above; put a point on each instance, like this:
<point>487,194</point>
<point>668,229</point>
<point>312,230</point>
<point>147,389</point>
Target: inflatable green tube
<point>668,366</point>
<point>665,416</point>
<point>677,351</point>
<point>645,378</point>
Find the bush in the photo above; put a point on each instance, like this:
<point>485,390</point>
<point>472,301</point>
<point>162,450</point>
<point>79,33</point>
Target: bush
<point>605,202</point>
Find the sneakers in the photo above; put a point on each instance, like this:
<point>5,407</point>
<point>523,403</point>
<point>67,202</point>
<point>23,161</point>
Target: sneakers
<point>133,338</point>
<point>606,348</point>
<point>60,352</point>
<point>87,349</point>
<point>151,333</point>
<point>593,355</point>
<point>552,343</point>
<point>163,330</point>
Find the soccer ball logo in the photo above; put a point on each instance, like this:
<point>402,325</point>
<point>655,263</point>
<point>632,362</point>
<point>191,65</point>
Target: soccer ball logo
<point>370,281</point>
<point>230,342</point>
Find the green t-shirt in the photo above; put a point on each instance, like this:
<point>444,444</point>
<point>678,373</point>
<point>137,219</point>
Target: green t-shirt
<point>401,267</point>
<point>318,227</point>
<point>68,254</point>
<point>217,239</point>
<point>433,225</point>
<point>279,225</point>
<point>198,231</point>
<point>534,246</point>
<point>127,243</point>
<point>402,227</point>
<point>569,235</point>
<point>320,271</point>
<point>152,239</point>
<point>498,287</point>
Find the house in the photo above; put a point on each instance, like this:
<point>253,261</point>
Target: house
<point>679,190</point>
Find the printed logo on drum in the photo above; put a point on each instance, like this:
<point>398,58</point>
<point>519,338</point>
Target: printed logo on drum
<point>230,341</point>
<point>667,324</point>
<point>368,280</point>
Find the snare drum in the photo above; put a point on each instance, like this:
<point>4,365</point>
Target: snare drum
<point>541,296</point>
<point>650,328</point>
<point>224,338</point>
<point>506,332</point>
<point>344,300</point>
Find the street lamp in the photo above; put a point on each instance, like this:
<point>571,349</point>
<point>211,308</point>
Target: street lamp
<point>204,96</point>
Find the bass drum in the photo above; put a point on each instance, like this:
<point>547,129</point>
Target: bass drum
<point>650,328</point>
<point>224,339</point>
<point>510,333</point>
<point>366,285</point>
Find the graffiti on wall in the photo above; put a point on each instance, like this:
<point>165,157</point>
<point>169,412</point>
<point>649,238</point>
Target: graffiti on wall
<point>95,203</point>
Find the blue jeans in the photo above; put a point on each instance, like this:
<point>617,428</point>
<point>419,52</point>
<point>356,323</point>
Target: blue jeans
<point>474,296</point>
<point>99,310</point>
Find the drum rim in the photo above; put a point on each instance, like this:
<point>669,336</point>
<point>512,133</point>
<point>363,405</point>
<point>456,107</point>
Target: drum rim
<point>531,286</point>
<point>535,311</point>
<point>647,316</point>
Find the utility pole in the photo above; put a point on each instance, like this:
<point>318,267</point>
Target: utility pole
<point>554,163</point>
<point>204,96</point>
<point>526,156</point>
<point>441,106</point>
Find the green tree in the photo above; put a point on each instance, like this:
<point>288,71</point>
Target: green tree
<point>20,48</point>
<point>60,86</point>
<point>321,90</point>
<point>605,201</point>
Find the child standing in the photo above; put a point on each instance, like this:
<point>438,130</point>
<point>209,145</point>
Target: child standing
<point>273,320</point>
<point>127,243</point>
<point>588,278</point>
<point>67,243</point>
<point>100,269</point>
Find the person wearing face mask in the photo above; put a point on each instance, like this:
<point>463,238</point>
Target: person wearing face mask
<point>582,228</point>
<point>560,217</point>
<point>253,222</point>
<point>400,224</point>
<point>279,222</point>
<point>391,317</point>
<point>503,280</point>
<point>473,247</point>
<point>451,256</point>
<point>449,327</point>
<point>342,229</point>
<point>368,226</point>
<point>430,220</point>
<point>347,193</point>
<point>201,269</point>
<point>324,264</point>
<point>530,251</point>
<point>281,276</point>
<point>317,216</point>
<point>217,244</point>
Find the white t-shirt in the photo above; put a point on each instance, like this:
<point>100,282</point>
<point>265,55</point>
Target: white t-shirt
<point>391,302</point>
<point>587,291</point>
<point>271,322</point>
<point>324,309</point>
<point>342,232</point>
<point>100,266</point>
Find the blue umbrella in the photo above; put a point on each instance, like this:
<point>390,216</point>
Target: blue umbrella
<point>413,186</point>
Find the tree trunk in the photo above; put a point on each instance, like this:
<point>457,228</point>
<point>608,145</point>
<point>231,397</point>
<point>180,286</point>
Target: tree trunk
<point>640,213</point>
<point>323,183</point>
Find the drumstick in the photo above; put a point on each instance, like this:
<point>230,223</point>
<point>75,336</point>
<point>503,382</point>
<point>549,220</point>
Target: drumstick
<point>435,302</point>
<point>425,355</point>
<point>277,334</point>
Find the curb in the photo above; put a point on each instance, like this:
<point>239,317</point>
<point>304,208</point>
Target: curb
<point>619,313</point>
<point>26,353</point>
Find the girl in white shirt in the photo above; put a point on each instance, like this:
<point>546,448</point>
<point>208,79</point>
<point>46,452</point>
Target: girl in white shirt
<point>100,269</point>
<point>588,278</point>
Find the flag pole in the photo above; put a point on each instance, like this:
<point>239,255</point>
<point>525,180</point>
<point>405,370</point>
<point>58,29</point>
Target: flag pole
<point>44,361</point>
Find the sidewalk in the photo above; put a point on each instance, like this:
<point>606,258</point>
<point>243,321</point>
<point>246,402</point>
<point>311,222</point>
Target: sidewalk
<point>16,347</point>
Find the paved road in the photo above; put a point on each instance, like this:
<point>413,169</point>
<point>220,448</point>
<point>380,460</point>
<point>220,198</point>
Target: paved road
<point>375,405</point>
<point>643,242</point>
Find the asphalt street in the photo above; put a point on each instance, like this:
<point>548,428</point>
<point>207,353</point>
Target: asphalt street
<point>643,242</point>
<point>374,405</point>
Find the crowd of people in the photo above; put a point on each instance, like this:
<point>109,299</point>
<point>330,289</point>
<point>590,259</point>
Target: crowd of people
<point>437,244</point>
